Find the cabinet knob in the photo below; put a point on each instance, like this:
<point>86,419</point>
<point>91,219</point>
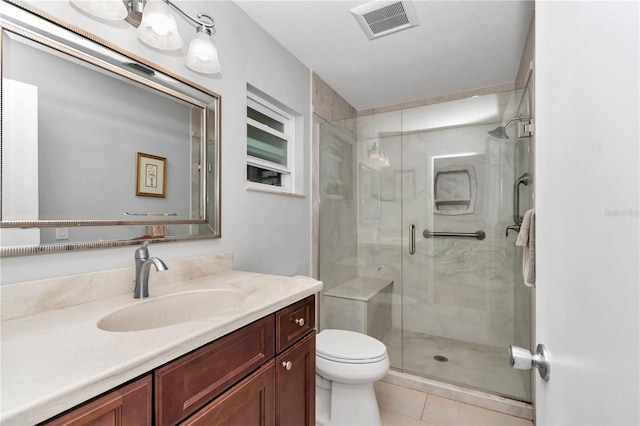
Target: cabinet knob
<point>300,321</point>
<point>287,365</point>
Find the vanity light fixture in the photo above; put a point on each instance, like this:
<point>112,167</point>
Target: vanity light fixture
<point>157,28</point>
<point>110,10</point>
<point>378,156</point>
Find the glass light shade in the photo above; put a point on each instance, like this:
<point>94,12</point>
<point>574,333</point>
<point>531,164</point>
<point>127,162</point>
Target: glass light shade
<point>158,27</point>
<point>374,153</point>
<point>111,10</point>
<point>203,55</point>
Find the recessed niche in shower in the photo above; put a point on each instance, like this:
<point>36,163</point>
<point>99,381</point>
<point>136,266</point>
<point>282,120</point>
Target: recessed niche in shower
<point>454,190</point>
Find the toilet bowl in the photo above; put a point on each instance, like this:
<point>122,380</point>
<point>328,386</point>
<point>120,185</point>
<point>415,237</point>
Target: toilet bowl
<point>347,364</point>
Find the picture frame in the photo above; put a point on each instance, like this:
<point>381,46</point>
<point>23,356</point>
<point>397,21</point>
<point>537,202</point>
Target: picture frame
<point>151,175</point>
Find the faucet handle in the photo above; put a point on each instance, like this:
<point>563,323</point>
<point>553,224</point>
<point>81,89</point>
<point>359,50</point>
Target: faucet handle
<point>142,252</point>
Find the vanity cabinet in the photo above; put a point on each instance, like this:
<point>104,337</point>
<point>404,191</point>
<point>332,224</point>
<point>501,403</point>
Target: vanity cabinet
<point>282,392</point>
<point>250,402</point>
<point>188,383</point>
<point>127,405</point>
<point>296,384</point>
<point>261,374</point>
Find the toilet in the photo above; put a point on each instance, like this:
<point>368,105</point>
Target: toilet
<point>347,364</point>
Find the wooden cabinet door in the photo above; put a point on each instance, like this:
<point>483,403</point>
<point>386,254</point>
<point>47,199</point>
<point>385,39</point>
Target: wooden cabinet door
<point>296,384</point>
<point>249,403</point>
<point>128,405</point>
<point>185,385</point>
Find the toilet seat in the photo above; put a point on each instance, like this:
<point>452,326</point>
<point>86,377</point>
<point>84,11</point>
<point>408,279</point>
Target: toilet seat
<point>349,347</point>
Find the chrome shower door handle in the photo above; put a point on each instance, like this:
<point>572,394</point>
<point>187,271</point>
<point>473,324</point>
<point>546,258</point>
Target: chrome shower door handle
<point>412,239</point>
<point>525,179</point>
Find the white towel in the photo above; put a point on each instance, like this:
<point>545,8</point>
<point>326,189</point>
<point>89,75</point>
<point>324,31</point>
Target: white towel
<point>527,239</point>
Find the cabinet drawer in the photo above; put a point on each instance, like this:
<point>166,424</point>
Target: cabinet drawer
<point>128,405</point>
<point>187,384</point>
<point>294,322</point>
<point>250,402</point>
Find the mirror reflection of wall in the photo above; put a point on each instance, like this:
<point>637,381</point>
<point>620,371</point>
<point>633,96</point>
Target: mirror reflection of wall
<point>90,126</point>
<point>20,160</point>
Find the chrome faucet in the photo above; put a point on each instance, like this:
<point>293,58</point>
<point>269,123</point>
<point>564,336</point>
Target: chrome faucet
<point>143,265</point>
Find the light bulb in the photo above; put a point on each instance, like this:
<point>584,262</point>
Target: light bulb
<point>111,10</point>
<point>203,55</point>
<point>158,28</point>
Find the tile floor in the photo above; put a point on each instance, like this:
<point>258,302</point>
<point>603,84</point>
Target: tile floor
<point>400,406</point>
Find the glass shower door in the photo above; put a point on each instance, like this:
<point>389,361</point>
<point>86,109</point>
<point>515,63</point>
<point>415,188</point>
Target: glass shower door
<point>458,286</point>
<point>360,241</point>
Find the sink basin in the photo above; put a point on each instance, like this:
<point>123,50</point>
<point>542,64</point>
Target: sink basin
<point>172,309</point>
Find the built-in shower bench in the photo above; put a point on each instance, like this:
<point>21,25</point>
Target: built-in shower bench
<point>361,304</point>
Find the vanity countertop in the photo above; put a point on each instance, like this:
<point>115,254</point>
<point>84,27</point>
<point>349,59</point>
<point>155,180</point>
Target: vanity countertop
<point>54,360</point>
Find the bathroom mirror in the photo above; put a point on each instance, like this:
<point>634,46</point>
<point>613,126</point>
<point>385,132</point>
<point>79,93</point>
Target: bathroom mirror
<point>100,148</point>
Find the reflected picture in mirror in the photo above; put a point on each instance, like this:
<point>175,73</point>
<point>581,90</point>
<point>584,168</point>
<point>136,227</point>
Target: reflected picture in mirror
<point>151,174</point>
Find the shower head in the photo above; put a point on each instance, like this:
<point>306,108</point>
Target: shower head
<point>500,132</point>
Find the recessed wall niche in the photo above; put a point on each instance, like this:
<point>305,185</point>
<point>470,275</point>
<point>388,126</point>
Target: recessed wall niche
<point>454,189</point>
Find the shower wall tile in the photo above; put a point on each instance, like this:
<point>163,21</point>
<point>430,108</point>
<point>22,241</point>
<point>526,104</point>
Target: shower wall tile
<point>483,109</point>
<point>344,314</point>
<point>338,261</point>
<point>332,107</point>
<point>379,126</point>
<point>337,210</point>
<point>467,94</point>
<point>379,314</point>
<point>381,259</point>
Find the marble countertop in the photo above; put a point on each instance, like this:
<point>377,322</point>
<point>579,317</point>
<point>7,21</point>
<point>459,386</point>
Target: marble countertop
<point>56,359</point>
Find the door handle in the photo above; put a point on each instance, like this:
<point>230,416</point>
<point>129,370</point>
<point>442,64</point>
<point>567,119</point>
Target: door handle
<point>525,179</point>
<point>523,359</point>
<point>412,239</point>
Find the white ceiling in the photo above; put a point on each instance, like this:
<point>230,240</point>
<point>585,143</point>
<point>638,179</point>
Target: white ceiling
<point>458,46</point>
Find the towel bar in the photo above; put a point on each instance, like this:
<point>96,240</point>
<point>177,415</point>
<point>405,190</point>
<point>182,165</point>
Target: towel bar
<point>150,214</point>
<point>479,235</point>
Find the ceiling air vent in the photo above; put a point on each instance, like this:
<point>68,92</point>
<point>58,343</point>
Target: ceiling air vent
<point>381,18</point>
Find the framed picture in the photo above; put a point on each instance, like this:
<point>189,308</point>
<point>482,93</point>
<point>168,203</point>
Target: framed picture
<point>151,173</point>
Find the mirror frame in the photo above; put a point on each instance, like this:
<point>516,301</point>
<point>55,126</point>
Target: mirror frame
<point>210,186</point>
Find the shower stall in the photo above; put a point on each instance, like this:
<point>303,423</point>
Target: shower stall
<point>417,220</point>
